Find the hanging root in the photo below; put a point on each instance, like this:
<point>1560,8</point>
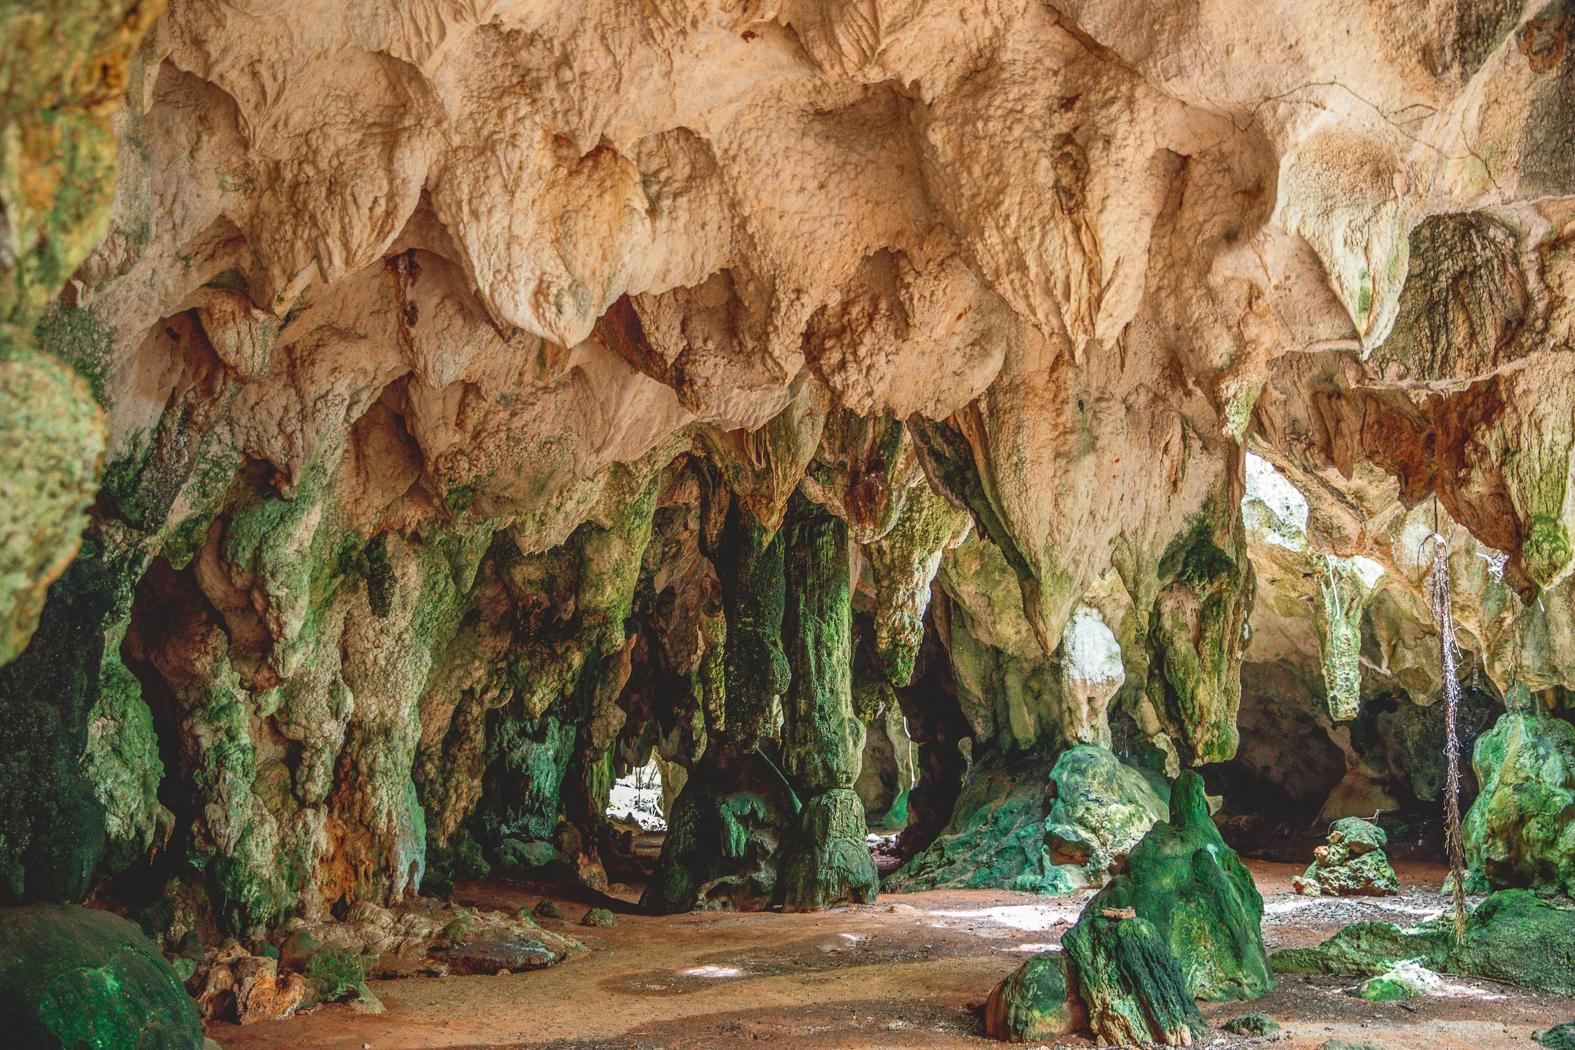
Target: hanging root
<point>1444,618</point>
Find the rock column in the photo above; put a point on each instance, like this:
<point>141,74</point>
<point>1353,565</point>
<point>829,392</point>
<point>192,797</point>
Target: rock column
<point>822,738</point>
<point>725,828</point>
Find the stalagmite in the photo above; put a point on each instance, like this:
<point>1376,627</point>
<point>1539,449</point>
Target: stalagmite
<point>827,860</point>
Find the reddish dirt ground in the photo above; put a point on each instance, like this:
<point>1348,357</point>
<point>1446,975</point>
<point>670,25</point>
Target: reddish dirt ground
<point>908,971</point>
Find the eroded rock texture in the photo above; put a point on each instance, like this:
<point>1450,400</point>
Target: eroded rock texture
<point>415,414</point>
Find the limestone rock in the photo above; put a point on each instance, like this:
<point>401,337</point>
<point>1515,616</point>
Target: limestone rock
<point>1520,831</point>
<point>1038,1001</point>
<point>724,839</point>
<point>1351,862</point>
<point>1253,1024</point>
<point>1129,982</point>
<point>417,937</point>
<point>1511,936</point>
<point>72,977</point>
<point>231,984</point>
<point>1018,825</point>
<point>1193,889</point>
<point>453,377</point>
<point>1405,980</point>
<point>1101,810</point>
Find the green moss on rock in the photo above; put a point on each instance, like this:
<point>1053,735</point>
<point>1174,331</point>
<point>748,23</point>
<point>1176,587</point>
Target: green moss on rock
<point>1197,636</point>
<point>1128,980</point>
<point>76,979</point>
<point>1512,936</point>
<point>1184,880</point>
<point>1036,1002</point>
<point>1352,862</point>
<point>1520,831</point>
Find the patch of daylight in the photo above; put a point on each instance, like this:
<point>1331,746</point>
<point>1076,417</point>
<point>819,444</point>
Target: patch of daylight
<point>1018,916</point>
<point>1271,506</point>
<point>1038,948</point>
<point>713,971</point>
<point>1456,990</point>
<point>638,797</point>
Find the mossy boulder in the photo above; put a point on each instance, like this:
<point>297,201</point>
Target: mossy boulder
<point>1561,1037</point>
<point>996,834</point>
<point>1350,863</point>
<point>80,979</point>
<point>1101,810</point>
<point>1520,831</point>
<point>724,837</point>
<point>1128,980</point>
<point>1513,936</point>
<point>1184,880</point>
<point>1040,823</point>
<point>1253,1024</point>
<point>598,917</point>
<point>1406,980</point>
<point>336,973</point>
<point>1037,1001</point>
<point>829,861</point>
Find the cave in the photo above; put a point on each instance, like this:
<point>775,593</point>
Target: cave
<point>837,523</point>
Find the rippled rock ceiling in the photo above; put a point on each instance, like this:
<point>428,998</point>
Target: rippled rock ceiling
<point>406,404</point>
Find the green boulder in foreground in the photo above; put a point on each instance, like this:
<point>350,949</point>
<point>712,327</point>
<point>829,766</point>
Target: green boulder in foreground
<point>1560,1038</point>
<point>1193,888</point>
<point>1129,982</point>
<point>1351,863</point>
<point>1183,921</point>
<point>78,979</point>
<point>1037,1002</point>
<point>1513,936</point>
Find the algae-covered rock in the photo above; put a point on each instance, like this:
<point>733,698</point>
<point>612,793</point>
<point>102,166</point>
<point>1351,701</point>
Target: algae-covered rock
<point>1560,1037</point>
<point>1101,810</point>
<point>1184,880</point>
<point>1513,936</point>
<point>52,432</point>
<point>1520,831</point>
<point>1037,1001</point>
<point>1020,825</point>
<point>599,917</point>
<point>996,834</point>
<point>548,908</point>
<point>724,837</point>
<point>74,978</point>
<point>1129,981</point>
<point>1253,1024</point>
<point>830,860</point>
<point>827,860</point>
<point>1404,980</point>
<point>1352,862</point>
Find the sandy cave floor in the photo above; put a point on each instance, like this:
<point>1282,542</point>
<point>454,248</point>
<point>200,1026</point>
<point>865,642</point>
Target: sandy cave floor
<point>911,970</point>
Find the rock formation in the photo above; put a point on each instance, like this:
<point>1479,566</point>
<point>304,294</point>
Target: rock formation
<point>1351,862</point>
<point>1512,936</point>
<point>414,414</point>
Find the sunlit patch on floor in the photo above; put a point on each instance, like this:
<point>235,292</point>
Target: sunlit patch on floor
<point>712,970</point>
<point>1033,917</point>
<point>1036,947</point>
